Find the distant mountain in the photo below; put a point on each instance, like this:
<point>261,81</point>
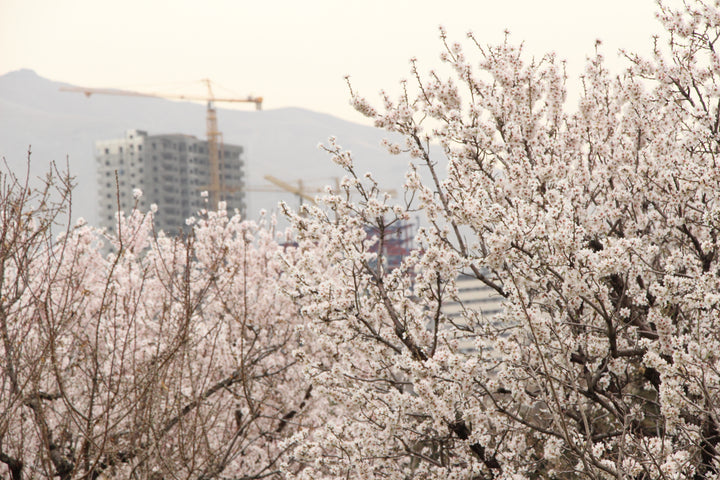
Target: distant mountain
<point>280,142</point>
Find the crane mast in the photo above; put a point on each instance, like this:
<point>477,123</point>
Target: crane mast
<point>300,191</point>
<point>216,188</point>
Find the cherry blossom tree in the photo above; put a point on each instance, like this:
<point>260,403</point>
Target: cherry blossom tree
<point>165,358</point>
<point>597,225</point>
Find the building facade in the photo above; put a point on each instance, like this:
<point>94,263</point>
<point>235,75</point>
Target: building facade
<point>171,170</point>
<point>475,302</point>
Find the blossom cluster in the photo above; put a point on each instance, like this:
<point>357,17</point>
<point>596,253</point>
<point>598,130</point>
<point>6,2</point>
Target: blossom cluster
<point>596,226</point>
<point>138,355</point>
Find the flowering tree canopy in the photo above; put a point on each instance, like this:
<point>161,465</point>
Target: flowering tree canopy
<point>222,354</point>
<point>166,358</point>
<point>597,226</point>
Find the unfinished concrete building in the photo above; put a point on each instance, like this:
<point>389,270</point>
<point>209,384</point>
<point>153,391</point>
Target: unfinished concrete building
<point>171,170</point>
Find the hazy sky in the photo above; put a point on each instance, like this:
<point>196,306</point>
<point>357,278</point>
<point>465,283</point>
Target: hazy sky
<point>293,52</point>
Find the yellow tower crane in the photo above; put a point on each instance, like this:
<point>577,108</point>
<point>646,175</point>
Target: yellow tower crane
<point>216,189</point>
<point>301,190</point>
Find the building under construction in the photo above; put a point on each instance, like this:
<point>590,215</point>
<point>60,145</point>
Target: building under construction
<point>397,243</point>
<point>171,171</point>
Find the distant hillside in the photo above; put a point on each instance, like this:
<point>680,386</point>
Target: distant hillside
<point>281,142</point>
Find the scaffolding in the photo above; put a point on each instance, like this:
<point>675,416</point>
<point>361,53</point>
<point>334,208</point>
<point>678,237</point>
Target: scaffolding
<point>397,242</point>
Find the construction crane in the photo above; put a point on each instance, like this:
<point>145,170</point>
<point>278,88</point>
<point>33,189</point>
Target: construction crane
<point>216,189</point>
<point>301,190</point>
<point>277,186</point>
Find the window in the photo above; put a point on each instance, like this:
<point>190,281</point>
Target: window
<point>139,148</point>
<point>107,151</point>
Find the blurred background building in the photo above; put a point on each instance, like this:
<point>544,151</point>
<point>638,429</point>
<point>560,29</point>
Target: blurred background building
<point>171,170</point>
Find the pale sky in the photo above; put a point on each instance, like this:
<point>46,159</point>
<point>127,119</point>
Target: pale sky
<point>294,53</point>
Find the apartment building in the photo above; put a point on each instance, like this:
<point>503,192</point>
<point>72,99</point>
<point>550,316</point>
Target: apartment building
<point>171,170</point>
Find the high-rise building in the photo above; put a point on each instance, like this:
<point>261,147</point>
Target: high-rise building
<point>171,170</point>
